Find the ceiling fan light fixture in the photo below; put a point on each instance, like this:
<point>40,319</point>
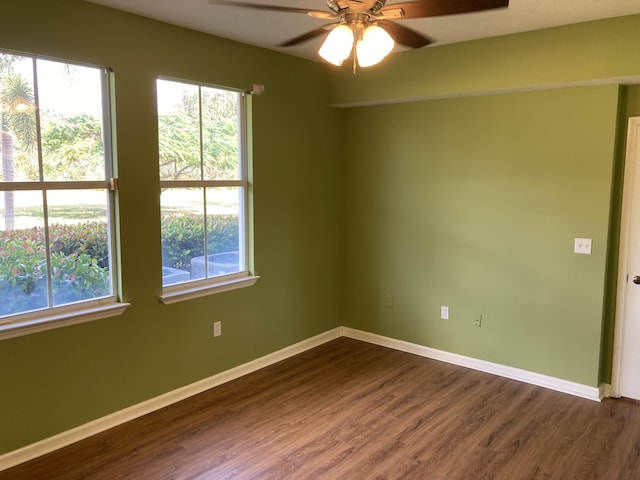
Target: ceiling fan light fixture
<point>338,44</point>
<point>376,44</point>
<point>357,23</point>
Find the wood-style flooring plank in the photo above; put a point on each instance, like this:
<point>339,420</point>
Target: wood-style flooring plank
<point>352,410</point>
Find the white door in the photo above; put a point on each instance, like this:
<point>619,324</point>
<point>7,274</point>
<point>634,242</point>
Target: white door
<point>626,368</point>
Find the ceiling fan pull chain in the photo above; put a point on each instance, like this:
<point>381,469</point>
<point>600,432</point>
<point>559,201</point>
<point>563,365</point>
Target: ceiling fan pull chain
<point>355,43</point>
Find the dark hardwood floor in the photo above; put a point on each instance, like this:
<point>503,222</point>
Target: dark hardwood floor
<point>351,410</point>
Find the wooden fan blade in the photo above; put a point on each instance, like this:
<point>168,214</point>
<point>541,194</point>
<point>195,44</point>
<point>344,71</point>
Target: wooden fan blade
<point>434,8</point>
<point>403,35</point>
<point>322,15</point>
<point>273,8</point>
<point>308,36</point>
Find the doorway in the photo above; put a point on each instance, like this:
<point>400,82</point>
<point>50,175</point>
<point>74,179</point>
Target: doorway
<point>626,357</point>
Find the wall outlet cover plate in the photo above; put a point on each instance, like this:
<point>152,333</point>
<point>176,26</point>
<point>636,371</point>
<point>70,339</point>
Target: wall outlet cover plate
<point>582,246</point>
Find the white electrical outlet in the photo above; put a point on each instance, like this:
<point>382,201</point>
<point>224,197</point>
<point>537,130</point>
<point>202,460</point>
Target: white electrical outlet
<point>217,329</point>
<point>582,246</point>
<point>444,312</point>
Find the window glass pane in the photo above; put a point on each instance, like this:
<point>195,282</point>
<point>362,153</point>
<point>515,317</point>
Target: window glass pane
<point>23,267</point>
<point>182,211</point>
<point>18,119</point>
<point>55,244</point>
<point>224,220</point>
<point>201,146</point>
<point>179,131</point>
<point>79,236</point>
<point>79,250</point>
<point>70,100</point>
<point>220,136</point>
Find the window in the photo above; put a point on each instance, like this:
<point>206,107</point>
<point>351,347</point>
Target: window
<point>56,229</point>
<point>203,165</point>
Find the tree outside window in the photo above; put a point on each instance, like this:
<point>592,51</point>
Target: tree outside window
<point>203,173</point>
<point>55,207</point>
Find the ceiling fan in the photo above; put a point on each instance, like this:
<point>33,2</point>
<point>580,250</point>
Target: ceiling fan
<point>368,25</point>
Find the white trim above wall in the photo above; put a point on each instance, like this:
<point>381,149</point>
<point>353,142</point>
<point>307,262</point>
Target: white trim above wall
<point>81,432</point>
<point>625,80</point>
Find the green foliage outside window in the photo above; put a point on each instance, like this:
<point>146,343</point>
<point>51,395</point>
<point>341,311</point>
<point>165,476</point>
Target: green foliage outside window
<point>79,258</point>
<point>75,274</point>
<point>180,141</point>
<point>183,237</point>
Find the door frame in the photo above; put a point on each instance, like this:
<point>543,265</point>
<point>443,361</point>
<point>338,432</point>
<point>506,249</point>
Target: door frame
<point>630,165</point>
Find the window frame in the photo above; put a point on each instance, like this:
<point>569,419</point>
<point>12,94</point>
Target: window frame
<point>190,289</point>
<point>52,317</point>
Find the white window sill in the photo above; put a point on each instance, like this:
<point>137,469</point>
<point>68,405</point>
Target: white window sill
<point>189,291</point>
<point>57,318</point>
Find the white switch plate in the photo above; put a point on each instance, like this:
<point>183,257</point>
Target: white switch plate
<point>582,245</point>
<point>217,329</point>
<point>444,313</point>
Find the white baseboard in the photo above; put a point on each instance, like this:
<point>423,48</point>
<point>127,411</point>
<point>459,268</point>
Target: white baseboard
<point>565,386</point>
<point>81,432</point>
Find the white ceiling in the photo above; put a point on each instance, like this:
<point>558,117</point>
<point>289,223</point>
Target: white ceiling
<point>268,29</point>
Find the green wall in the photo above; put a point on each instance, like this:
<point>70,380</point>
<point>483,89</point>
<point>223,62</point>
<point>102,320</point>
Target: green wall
<point>559,61</point>
<point>56,380</point>
<point>586,53</point>
<point>474,203</point>
<point>467,192</point>
<point>633,103</point>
